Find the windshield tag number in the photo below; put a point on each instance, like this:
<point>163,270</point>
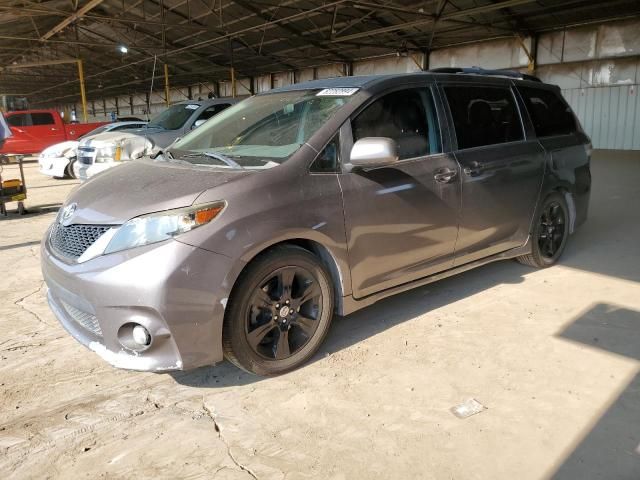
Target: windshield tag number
<point>336,92</point>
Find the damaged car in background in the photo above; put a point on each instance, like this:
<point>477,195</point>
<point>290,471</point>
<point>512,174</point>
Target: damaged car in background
<point>109,149</point>
<point>58,160</point>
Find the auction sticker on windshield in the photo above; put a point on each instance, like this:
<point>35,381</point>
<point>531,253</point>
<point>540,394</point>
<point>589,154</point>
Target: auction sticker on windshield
<point>336,92</point>
<point>192,107</point>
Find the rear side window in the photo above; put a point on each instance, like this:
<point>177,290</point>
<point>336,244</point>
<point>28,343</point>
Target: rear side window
<point>406,116</point>
<point>42,119</point>
<point>549,112</point>
<point>483,115</point>
<point>18,120</point>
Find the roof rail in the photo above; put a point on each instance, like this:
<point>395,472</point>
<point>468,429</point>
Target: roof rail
<point>482,71</point>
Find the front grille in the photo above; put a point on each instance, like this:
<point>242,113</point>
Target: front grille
<point>84,319</point>
<point>85,155</point>
<point>73,241</point>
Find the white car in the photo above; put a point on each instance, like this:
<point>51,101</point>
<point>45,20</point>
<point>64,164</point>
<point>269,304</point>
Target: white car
<point>58,160</point>
<point>109,149</point>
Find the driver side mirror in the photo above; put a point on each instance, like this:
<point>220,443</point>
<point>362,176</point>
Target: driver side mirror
<point>372,152</point>
<point>197,123</point>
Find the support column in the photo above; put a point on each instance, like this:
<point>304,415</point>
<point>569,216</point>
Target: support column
<point>166,84</point>
<point>83,93</point>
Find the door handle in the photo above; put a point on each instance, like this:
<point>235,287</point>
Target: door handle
<point>445,175</point>
<point>474,168</point>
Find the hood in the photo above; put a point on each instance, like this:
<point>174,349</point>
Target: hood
<point>133,146</point>
<point>141,187</point>
<point>60,149</point>
<point>156,138</point>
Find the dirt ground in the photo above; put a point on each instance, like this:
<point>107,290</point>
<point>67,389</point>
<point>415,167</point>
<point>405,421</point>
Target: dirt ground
<point>553,355</point>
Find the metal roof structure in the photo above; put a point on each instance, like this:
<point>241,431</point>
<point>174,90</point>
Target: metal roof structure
<point>120,42</point>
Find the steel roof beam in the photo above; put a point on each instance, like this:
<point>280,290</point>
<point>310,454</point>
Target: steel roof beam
<point>427,21</point>
<point>71,18</point>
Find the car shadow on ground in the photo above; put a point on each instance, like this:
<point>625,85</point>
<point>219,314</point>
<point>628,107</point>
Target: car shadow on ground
<point>611,448</point>
<point>222,375</point>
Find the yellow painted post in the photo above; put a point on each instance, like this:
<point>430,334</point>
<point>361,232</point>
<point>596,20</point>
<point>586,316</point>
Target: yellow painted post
<point>233,82</point>
<point>531,67</point>
<point>83,93</point>
<point>166,84</point>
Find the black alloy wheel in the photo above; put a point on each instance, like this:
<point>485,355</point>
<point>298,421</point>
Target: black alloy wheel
<point>284,313</point>
<point>279,312</point>
<point>550,233</point>
<point>551,230</point>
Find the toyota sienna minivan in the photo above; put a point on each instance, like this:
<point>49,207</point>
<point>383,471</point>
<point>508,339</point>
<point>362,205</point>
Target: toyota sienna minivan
<point>246,236</point>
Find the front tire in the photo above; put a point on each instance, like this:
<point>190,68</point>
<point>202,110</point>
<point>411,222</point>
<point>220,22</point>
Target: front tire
<point>279,312</point>
<point>68,172</point>
<point>550,233</point>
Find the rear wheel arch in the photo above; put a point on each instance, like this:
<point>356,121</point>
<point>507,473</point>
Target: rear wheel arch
<point>567,194</point>
<point>567,191</point>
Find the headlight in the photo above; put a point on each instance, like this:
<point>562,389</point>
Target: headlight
<point>53,154</point>
<point>157,227</point>
<point>108,153</point>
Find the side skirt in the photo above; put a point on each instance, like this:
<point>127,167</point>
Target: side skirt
<point>351,304</point>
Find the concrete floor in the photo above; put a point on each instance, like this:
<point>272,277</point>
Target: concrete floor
<point>554,355</point>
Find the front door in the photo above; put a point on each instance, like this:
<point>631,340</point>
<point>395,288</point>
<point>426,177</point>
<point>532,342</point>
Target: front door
<point>402,220</point>
<point>502,170</point>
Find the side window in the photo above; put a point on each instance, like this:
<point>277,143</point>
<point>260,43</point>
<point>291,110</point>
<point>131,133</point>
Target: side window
<point>549,112</point>
<point>42,119</point>
<point>213,110</point>
<point>407,116</point>
<point>483,115</point>
<point>18,120</point>
<point>327,160</point>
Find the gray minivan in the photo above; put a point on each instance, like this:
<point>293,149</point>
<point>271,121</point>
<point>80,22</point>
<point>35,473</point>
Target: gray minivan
<point>246,236</point>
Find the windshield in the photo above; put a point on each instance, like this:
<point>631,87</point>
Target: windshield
<point>95,131</point>
<point>173,117</point>
<point>262,131</point>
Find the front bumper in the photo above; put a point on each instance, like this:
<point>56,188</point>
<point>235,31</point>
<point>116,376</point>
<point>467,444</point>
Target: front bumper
<point>53,166</point>
<point>84,172</point>
<point>176,291</point>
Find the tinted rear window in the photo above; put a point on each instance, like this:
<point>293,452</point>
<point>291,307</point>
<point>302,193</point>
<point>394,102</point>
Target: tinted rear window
<point>549,112</point>
<point>42,119</point>
<point>483,115</point>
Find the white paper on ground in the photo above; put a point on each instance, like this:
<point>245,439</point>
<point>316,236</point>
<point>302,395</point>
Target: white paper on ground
<point>468,408</point>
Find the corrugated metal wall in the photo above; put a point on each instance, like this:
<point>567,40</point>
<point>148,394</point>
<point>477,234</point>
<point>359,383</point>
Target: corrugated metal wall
<point>610,115</point>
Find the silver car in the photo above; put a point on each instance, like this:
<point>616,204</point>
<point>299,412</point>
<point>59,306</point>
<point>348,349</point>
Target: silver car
<point>110,149</point>
<point>246,236</point>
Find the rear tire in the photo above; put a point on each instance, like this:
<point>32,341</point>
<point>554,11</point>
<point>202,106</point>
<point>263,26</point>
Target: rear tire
<point>550,233</point>
<point>279,312</point>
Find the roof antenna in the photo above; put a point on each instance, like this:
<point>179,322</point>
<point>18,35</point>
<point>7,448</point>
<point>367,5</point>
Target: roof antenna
<point>153,76</point>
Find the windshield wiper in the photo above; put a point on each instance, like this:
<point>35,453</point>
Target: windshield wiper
<point>216,156</point>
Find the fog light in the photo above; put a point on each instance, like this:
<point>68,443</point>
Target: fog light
<point>141,335</point>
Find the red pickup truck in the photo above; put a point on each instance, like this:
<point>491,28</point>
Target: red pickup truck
<point>35,130</point>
